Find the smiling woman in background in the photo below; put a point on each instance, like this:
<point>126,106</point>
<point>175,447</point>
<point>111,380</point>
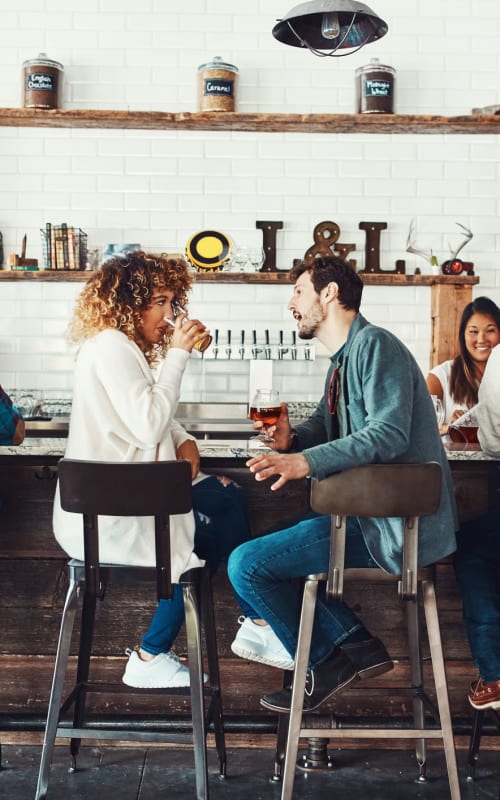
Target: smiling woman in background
<point>456,382</point>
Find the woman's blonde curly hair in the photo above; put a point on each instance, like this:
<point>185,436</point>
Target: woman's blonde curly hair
<point>121,289</point>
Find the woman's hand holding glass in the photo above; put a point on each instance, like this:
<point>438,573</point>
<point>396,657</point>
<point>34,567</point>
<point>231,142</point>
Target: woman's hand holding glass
<point>189,334</point>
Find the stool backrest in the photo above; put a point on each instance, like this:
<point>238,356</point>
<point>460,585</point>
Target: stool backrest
<point>156,489</point>
<point>408,491</point>
<point>380,490</point>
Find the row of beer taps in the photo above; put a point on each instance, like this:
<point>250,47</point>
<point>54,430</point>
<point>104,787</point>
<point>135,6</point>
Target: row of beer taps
<point>228,344</point>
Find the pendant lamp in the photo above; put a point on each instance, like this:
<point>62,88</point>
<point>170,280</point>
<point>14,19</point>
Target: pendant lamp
<point>331,26</point>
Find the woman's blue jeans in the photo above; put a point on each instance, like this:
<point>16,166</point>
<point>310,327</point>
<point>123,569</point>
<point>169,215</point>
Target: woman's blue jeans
<point>477,567</point>
<point>264,574</point>
<point>221,525</point>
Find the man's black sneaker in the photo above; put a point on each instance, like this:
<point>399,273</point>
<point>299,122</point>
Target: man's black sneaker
<point>355,661</point>
<point>321,683</point>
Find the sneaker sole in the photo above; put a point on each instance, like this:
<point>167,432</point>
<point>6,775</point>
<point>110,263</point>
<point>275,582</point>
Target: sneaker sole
<point>377,669</point>
<point>250,655</point>
<point>156,686</point>
<point>494,704</point>
<point>174,685</point>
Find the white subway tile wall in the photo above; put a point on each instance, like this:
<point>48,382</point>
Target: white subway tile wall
<point>160,187</point>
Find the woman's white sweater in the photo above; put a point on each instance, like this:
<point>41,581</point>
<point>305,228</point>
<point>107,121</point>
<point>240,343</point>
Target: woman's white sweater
<point>122,412</point>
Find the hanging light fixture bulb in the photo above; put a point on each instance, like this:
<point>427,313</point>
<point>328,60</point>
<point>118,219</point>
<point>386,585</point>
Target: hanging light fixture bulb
<point>330,25</point>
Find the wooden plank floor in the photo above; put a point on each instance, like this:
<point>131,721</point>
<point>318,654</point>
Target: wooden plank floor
<point>143,774</point>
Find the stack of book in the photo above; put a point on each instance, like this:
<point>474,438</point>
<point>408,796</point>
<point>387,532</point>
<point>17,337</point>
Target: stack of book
<point>64,247</point>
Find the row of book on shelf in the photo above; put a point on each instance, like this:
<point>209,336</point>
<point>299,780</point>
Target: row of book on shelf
<point>64,247</point>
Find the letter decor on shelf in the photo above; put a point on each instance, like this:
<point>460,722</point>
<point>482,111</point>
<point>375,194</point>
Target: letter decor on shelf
<point>372,251</point>
<point>269,243</point>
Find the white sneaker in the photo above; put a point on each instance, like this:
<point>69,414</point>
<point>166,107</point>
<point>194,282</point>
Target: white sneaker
<point>260,643</point>
<point>164,671</point>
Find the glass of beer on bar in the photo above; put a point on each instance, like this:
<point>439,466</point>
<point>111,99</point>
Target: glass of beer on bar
<point>265,407</point>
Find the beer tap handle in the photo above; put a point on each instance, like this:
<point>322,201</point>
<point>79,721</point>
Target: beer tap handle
<point>255,349</point>
<point>267,348</point>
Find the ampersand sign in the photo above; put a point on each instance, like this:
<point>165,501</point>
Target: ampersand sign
<point>326,235</point>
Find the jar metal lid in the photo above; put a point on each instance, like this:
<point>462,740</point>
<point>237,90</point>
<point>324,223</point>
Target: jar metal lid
<point>375,66</point>
<point>218,63</point>
<point>44,61</point>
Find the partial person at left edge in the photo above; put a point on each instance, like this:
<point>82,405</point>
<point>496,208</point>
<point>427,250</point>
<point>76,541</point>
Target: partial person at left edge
<point>12,428</point>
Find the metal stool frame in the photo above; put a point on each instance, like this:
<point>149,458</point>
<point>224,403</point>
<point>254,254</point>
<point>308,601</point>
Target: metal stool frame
<point>408,491</point>
<point>158,489</point>
<point>476,735</point>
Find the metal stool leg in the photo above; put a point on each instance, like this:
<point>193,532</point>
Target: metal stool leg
<point>299,684</point>
<point>193,634</point>
<point>60,666</point>
<point>434,634</point>
<point>216,713</point>
<point>279,753</point>
<point>474,744</point>
<point>83,669</point>
<point>415,658</point>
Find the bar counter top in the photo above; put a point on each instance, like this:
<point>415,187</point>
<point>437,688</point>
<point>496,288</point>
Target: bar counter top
<point>33,449</point>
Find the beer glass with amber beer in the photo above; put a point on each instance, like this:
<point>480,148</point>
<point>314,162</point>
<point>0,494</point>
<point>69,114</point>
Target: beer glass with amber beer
<point>265,407</point>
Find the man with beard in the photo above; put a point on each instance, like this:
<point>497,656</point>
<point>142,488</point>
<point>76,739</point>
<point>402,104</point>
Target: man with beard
<point>376,408</point>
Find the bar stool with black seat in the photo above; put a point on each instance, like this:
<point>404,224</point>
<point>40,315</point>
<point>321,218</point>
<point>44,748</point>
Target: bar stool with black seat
<point>153,489</point>
<point>408,491</point>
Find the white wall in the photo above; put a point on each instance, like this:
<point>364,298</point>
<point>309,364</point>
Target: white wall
<point>160,187</point>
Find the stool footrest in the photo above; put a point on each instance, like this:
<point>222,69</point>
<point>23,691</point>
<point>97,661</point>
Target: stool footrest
<point>370,733</point>
<point>124,735</point>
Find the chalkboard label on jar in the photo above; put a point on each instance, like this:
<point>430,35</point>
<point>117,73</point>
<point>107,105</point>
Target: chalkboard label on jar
<point>375,88</point>
<point>218,86</point>
<point>42,84</point>
<point>217,82</point>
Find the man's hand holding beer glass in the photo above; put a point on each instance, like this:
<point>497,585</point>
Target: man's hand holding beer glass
<point>272,418</point>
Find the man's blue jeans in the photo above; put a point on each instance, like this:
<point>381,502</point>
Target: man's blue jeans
<point>477,567</point>
<point>264,572</point>
<point>221,525</point>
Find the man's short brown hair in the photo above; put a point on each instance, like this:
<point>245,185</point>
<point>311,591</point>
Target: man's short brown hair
<point>331,269</point>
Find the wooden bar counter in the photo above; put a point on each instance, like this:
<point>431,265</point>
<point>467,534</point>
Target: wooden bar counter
<point>33,586</point>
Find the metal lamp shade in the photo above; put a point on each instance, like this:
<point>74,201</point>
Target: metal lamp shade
<point>301,27</point>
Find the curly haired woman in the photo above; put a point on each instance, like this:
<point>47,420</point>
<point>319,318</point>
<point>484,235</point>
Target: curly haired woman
<point>123,411</point>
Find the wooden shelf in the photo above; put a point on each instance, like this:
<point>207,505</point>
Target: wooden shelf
<point>377,279</point>
<point>238,121</point>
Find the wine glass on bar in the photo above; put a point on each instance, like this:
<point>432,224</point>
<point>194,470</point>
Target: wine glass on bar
<point>265,407</point>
